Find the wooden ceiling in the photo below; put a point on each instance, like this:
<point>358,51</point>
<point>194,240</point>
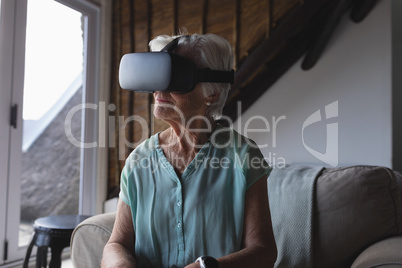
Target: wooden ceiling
<point>267,36</point>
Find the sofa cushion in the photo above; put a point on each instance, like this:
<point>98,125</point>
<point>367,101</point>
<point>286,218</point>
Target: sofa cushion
<point>398,176</point>
<point>89,238</point>
<point>386,253</point>
<point>355,207</point>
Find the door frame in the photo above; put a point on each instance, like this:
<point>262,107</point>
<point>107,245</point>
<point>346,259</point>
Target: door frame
<point>13,18</point>
<point>91,75</point>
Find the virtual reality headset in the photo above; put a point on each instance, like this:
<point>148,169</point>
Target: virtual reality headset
<point>166,71</point>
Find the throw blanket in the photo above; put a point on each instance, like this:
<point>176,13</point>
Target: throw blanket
<point>290,194</point>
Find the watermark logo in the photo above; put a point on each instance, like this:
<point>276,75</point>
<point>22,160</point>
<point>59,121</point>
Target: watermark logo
<point>330,156</point>
<point>256,124</point>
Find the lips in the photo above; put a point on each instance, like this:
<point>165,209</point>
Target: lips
<point>161,100</point>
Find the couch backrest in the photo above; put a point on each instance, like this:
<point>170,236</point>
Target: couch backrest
<point>355,207</point>
<point>398,177</point>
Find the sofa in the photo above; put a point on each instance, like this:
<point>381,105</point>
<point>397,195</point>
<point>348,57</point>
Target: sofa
<point>357,221</point>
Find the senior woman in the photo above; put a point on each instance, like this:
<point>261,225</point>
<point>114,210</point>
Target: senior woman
<point>194,195</point>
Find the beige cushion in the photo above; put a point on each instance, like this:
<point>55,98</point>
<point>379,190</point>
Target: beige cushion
<point>386,253</point>
<point>355,207</point>
<point>89,239</point>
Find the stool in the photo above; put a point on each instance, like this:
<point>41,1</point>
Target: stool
<point>54,232</point>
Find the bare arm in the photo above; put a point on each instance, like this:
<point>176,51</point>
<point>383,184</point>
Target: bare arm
<point>119,250</point>
<point>259,249</point>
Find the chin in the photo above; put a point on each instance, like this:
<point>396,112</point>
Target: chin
<point>158,115</point>
<point>162,112</point>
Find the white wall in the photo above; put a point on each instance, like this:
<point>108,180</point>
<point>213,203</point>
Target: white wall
<point>354,74</point>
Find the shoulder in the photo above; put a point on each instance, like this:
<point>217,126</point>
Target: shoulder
<point>229,139</point>
<point>230,142</point>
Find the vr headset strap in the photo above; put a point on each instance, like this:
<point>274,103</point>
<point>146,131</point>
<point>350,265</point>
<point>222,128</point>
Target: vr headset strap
<point>215,76</point>
<point>170,47</point>
<point>204,75</point>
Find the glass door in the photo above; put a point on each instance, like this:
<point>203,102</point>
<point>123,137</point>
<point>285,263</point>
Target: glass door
<point>50,168</point>
<point>47,71</point>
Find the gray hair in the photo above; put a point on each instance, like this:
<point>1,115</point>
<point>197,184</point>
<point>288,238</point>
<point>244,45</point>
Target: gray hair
<point>207,51</point>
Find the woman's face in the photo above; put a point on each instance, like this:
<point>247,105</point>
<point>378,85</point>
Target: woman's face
<point>180,107</point>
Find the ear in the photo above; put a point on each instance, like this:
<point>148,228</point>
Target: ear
<point>211,98</point>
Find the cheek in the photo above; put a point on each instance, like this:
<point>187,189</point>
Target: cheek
<point>193,99</point>
<point>190,105</point>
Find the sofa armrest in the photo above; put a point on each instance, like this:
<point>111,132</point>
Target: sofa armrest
<point>385,253</point>
<point>89,238</point>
